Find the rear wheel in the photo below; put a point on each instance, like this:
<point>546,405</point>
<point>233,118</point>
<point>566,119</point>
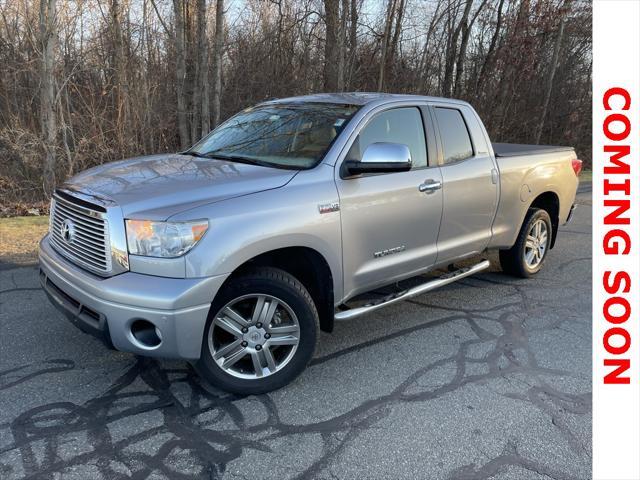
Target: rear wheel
<point>261,333</point>
<point>529,252</point>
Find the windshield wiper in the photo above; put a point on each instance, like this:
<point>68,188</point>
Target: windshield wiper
<point>193,154</point>
<point>241,159</point>
<point>235,158</point>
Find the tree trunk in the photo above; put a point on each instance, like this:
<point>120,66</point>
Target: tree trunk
<point>452,51</point>
<point>147,135</point>
<point>47,91</point>
<point>203,80</point>
<point>196,97</point>
<point>425,60</point>
<point>552,73</point>
<point>466,32</point>
<point>218,45</point>
<point>201,73</point>
<point>385,43</point>
<point>331,45</point>
<point>342,46</point>
<point>488,59</point>
<point>119,77</point>
<point>393,46</point>
<point>181,73</point>
<point>353,41</point>
<point>518,34</point>
<point>460,61</point>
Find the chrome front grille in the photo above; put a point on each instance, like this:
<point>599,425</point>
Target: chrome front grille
<point>80,234</point>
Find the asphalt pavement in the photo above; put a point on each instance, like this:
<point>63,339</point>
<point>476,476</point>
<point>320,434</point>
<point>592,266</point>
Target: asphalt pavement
<point>487,378</point>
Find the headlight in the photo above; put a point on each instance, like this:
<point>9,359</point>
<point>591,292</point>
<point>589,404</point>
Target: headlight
<point>163,239</point>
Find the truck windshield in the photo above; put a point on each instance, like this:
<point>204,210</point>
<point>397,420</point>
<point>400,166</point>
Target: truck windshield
<point>292,136</point>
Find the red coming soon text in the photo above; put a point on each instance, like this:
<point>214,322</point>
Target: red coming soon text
<point>617,240</point>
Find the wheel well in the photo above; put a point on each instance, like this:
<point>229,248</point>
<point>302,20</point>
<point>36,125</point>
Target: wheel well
<point>310,268</point>
<point>550,202</point>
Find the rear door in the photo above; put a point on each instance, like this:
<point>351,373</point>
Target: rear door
<point>389,222</point>
<point>470,182</point>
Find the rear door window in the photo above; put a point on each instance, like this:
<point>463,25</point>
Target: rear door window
<point>454,134</point>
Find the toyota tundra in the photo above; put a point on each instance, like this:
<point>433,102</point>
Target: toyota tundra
<point>235,253</point>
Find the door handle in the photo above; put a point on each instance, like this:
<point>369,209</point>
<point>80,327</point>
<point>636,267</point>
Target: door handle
<point>430,186</point>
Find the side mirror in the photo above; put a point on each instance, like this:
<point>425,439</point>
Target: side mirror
<point>380,158</point>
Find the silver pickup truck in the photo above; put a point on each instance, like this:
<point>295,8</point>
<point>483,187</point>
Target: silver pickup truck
<point>234,254</point>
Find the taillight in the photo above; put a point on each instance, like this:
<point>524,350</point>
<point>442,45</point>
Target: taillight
<point>577,166</point>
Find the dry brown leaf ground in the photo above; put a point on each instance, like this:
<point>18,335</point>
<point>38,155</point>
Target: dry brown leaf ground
<point>19,238</point>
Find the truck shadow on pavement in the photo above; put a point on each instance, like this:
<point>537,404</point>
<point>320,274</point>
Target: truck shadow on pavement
<point>204,429</point>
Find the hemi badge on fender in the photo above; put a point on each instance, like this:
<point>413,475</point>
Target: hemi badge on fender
<point>329,207</point>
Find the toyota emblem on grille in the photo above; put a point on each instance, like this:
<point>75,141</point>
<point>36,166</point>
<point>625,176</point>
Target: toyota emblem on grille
<point>68,230</point>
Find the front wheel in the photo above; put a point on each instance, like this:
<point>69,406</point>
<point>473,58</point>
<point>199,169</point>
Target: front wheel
<point>528,254</point>
<point>261,333</point>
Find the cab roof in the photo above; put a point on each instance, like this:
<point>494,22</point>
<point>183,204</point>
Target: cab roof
<point>359,98</point>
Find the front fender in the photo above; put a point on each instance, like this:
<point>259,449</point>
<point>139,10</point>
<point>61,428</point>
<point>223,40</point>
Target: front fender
<point>245,227</point>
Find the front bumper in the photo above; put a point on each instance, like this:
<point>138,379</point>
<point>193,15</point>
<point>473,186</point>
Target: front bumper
<point>107,307</point>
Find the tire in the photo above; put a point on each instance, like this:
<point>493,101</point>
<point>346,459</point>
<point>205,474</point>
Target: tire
<point>253,352</point>
<point>518,260</point>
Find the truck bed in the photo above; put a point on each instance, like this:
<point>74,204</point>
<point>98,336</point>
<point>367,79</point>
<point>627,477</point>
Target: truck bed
<point>518,149</point>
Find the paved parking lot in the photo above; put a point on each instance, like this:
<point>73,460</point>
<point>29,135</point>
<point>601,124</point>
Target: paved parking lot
<point>487,378</point>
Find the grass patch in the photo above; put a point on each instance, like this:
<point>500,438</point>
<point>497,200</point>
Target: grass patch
<point>586,175</point>
<point>19,238</point>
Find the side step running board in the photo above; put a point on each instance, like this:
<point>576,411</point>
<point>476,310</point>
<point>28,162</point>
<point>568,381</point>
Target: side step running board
<point>412,292</point>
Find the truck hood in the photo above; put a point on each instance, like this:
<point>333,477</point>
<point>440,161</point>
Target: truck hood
<point>159,186</point>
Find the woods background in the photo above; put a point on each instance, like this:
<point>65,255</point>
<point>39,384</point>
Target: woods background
<point>83,82</point>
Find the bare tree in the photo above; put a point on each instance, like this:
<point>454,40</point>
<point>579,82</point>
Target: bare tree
<point>203,80</point>
<point>47,91</point>
<point>218,45</point>
<point>395,39</point>
<point>460,63</point>
<point>385,42</point>
<point>452,48</point>
<point>487,64</point>
<point>551,75</point>
<point>200,102</point>
<point>119,74</point>
<point>342,45</point>
<point>181,72</point>
<point>132,78</point>
<point>333,46</point>
<point>353,39</point>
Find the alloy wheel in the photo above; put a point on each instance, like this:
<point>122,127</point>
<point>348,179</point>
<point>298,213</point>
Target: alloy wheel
<point>254,336</point>
<point>536,244</point>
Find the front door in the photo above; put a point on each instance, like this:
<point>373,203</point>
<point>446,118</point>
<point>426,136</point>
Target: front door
<point>389,221</point>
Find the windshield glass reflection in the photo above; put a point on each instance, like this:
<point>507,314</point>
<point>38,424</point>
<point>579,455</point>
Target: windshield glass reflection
<point>278,135</point>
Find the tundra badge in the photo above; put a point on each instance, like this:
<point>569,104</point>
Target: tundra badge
<point>389,251</point>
